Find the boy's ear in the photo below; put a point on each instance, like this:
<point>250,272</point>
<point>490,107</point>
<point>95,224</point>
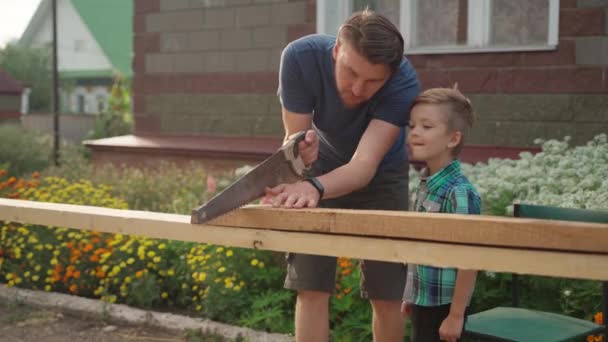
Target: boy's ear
<point>455,139</point>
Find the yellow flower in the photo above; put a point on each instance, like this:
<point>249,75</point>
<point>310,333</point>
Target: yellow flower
<point>229,285</point>
<point>261,264</point>
<point>162,246</point>
<point>35,278</point>
<point>128,280</point>
<point>164,295</point>
<point>30,255</point>
<point>150,254</point>
<point>53,261</point>
<point>47,288</point>
<point>229,253</point>
<point>9,276</point>
<point>199,308</point>
<point>237,288</point>
<point>254,262</point>
<point>130,261</point>
<point>222,269</point>
<point>170,272</point>
<point>26,274</point>
<point>202,276</point>
<point>219,249</point>
<point>156,259</point>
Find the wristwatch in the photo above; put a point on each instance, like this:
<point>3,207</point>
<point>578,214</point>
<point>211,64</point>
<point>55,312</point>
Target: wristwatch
<point>315,182</point>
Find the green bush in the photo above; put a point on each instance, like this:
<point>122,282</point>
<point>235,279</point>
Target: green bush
<point>23,151</point>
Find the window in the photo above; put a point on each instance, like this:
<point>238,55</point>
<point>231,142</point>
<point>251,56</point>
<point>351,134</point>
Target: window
<point>81,104</point>
<point>101,103</point>
<point>452,26</point>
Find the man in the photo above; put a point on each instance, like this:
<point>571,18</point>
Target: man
<point>352,94</point>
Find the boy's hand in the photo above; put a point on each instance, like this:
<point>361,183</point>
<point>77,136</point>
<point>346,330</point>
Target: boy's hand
<point>451,328</point>
<point>406,309</point>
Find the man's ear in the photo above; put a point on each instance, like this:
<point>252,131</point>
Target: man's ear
<point>455,139</point>
<point>336,49</point>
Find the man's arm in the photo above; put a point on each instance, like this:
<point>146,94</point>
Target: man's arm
<point>357,173</point>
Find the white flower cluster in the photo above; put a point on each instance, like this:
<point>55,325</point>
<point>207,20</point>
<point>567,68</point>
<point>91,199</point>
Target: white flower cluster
<point>559,175</point>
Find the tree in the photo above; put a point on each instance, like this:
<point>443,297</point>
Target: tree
<point>30,66</point>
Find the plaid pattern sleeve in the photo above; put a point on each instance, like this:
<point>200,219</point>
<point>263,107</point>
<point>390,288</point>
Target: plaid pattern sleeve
<point>447,191</point>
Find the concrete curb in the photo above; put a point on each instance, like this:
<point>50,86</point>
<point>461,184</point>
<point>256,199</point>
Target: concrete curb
<point>122,314</point>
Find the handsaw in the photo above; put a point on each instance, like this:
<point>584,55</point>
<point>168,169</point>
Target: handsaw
<point>284,166</point>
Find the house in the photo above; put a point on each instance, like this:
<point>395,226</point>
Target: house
<point>13,98</point>
<point>205,72</point>
<point>94,44</point>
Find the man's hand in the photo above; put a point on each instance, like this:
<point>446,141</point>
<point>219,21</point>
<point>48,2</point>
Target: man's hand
<point>296,195</point>
<point>309,147</point>
<point>451,328</point>
<point>406,309</point>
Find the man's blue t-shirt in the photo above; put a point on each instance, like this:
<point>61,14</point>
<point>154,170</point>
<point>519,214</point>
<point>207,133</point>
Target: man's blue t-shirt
<point>307,84</point>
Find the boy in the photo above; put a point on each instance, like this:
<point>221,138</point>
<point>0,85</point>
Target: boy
<point>436,299</point>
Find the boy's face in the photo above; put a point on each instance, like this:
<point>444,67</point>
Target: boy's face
<point>429,138</point>
<point>357,79</point>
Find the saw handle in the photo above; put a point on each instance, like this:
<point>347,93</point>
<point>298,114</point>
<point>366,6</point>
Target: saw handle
<point>294,140</point>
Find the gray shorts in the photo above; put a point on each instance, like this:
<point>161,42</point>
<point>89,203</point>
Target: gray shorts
<point>380,280</point>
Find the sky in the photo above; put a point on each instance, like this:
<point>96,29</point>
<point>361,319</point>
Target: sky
<point>14,17</point>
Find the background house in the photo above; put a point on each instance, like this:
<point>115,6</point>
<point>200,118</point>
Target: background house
<point>94,44</point>
<point>13,98</point>
<point>205,72</point>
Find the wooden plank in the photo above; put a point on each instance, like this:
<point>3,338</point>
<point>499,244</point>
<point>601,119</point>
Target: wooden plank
<point>178,227</point>
<point>467,229</point>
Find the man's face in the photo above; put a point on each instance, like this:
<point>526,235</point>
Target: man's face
<point>356,78</point>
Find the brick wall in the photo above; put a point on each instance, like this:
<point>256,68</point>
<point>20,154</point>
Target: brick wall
<point>520,96</point>
<point>210,66</point>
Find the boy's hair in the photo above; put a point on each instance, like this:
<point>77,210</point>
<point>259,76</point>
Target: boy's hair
<point>374,37</point>
<point>459,109</point>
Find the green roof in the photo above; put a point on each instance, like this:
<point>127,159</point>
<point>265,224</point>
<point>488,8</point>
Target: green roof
<point>110,22</point>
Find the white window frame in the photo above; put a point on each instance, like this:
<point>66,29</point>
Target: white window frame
<point>331,13</point>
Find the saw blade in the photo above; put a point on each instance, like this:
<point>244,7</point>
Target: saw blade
<point>275,170</point>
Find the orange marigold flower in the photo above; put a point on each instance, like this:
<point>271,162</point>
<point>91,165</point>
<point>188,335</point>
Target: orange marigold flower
<point>32,184</point>
<point>100,273</point>
<point>95,240</point>
<point>599,318</point>
<point>88,247</point>
<point>69,245</point>
<point>20,184</point>
<point>36,174</point>
<point>2,172</point>
<point>139,274</point>
<point>94,258</point>
<point>344,264</point>
<point>346,271</point>
<point>339,296</point>
<point>590,338</point>
<point>347,290</point>
<point>11,181</point>
<point>73,288</point>
<point>76,275</point>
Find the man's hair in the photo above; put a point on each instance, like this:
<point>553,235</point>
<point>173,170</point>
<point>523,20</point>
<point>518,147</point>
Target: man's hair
<point>459,110</point>
<point>374,37</point>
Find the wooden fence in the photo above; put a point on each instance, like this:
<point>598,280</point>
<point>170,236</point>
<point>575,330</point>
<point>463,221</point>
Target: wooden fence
<point>72,127</point>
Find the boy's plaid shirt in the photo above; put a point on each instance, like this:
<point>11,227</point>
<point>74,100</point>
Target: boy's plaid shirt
<point>447,191</point>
